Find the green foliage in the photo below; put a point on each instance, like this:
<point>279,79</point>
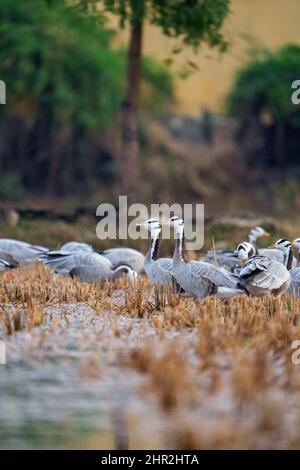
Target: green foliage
<point>160,85</point>
<point>52,56</point>
<point>264,84</point>
<point>192,21</point>
<point>56,57</point>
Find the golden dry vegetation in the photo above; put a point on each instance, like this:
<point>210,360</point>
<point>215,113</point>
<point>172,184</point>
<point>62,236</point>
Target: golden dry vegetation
<point>218,375</point>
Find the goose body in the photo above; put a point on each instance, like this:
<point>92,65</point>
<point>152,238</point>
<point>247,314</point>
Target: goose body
<point>261,275</point>
<point>129,256</point>
<point>21,252</point>
<point>198,278</point>
<point>88,267</point>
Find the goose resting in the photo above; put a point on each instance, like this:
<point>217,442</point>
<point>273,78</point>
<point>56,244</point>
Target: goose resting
<point>88,267</point>
<point>262,276</point>
<point>21,252</point>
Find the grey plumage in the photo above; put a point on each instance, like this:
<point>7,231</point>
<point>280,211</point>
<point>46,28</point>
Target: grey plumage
<point>129,256</point>
<point>262,276</point>
<point>64,262</point>
<point>77,246</point>
<point>228,258</point>
<point>199,278</point>
<point>21,252</point>
<point>95,273</point>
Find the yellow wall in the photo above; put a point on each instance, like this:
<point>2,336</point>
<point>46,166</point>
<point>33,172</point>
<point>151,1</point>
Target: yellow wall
<point>266,23</point>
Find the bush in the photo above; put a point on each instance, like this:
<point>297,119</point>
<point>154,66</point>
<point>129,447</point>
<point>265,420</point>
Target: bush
<point>261,96</point>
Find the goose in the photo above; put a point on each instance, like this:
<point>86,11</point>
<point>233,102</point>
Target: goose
<point>199,278</point>
<point>228,258</point>
<point>128,256</point>
<point>261,275</point>
<point>117,256</point>
<point>21,252</point>
<point>158,270</point>
<point>95,273</point>
<point>87,266</point>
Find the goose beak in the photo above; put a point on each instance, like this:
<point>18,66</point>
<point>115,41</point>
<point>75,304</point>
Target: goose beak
<point>266,234</point>
<point>164,223</point>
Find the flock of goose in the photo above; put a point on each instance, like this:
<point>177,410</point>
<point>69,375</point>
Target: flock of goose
<point>247,270</point>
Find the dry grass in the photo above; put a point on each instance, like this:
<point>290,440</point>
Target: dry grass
<point>197,356</point>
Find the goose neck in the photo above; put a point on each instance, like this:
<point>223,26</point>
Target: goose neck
<point>154,246</point>
<point>179,252</point>
<point>288,258</point>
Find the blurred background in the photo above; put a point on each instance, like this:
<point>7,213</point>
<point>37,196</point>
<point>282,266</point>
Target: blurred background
<point>215,125</point>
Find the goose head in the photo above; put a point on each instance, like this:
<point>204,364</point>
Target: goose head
<point>256,233</point>
<point>283,245</point>
<point>245,251</point>
<point>152,225</point>
<point>177,223</point>
<point>125,270</point>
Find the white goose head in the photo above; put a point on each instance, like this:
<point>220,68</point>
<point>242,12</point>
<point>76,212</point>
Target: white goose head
<point>256,233</point>
<point>152,225</point>
<point>245,250</point>
<point>177,223</point>
<point>283,245</point>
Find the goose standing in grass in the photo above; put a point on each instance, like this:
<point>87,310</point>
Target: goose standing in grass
<point>21,252</point>
<point>129,256</point>
<point>87,266</point>
<point>159,270</point>
<point>261,275</point>
<point>229,258</point>
<point>199,278</point>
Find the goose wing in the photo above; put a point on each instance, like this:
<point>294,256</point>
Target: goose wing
<point>76,246</point>
<point>4,256</point>
<point>264,273</point>
<point>22,252</point>
<point>216,275</point>
<point>161,271</point>
<point>295,281</point>
<point>64,262</point>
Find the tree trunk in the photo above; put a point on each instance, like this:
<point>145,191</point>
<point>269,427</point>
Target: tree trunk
<point>129,143</point>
